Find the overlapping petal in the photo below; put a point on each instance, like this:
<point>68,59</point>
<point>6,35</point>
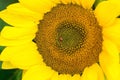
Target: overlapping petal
<point>22,56</point>
<point>55,76</point>
<point>21,10</point>
<point>16,42</point>
<point>40,6</point>
<point>87,4</point>
<point>113,32</point>
<point>116,2</point>
<point>31,45</point>
<point>76,77</point>
<point>93,72</point>
<point>39,72</point>
<point>7,65</point>
<point>9,51</point>
<point>26,59</point>
<point>66,1</point>
<point>71,1</point>
<point>64,77</point>
<point>56,1</point>
<point>16,19</point>
<point>106,12</point>
<point>109,60</point>
<point>16,32</point>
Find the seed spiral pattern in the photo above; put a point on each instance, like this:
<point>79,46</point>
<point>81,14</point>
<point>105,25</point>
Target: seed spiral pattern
<point>69,38</point>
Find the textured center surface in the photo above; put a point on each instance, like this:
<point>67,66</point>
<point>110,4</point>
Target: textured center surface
<point>69,38</point>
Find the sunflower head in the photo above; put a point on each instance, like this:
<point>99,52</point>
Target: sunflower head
<point>69,35</point>
<point>67,43</point>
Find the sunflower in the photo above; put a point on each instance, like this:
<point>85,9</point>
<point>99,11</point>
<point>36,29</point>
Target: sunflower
<point>62,39</point>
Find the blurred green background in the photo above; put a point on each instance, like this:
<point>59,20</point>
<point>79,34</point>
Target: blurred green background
<point>14,74</point>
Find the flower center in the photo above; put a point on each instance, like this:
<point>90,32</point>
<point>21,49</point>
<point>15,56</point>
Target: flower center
<point>69,38</point>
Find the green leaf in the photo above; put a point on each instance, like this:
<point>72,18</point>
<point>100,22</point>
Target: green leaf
<point>2,24</point>
<point>1,48</point>
<point>4,3</point>
<point>13,74</point>
<point>0,64</point>
<point>17,75</point>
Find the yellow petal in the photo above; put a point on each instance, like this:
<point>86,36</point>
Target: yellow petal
<point>116,2</point>
<point>64,77</point>
<point>26,59</point>
<point>76,77</point>
<point>11,50</point>
<point>66,1</point>
<point>17,19</point>
<point>40,6</point>
<point>24,72</point>
<point>7,65</point>
<point>87,4</point>
<point>15,32</point>
<point>55,76</point>
<point>113,32</point>
<point>0,57</point>
<point>71,1</point>
<point>77,1</point>
<point>56,1</point>
<point>19,9</point>
<point>110,48</point>
<point>106,12</point>
<point>93,72</point>
<point>22,56</point>
<point>38,72</point>
<point>109,60</point>
<point>15,42</point>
